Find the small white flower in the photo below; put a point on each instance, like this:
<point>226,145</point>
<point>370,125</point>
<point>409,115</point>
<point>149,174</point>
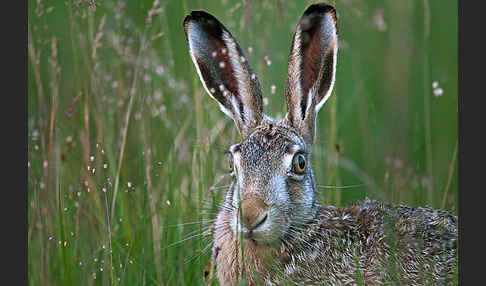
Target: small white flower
<point>438,91</point>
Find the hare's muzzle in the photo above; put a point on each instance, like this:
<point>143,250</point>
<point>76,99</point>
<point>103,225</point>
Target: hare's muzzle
<point>254,213</point>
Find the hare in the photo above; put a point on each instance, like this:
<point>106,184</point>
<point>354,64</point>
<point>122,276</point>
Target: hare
<point>271,230</point>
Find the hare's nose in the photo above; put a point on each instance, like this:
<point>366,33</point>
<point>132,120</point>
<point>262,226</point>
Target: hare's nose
<point>254,212</point>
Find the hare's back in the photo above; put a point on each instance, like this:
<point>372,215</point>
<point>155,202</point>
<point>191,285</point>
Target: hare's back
<point>425,244</point>
<point>382,243</point>
<point>416,245</point>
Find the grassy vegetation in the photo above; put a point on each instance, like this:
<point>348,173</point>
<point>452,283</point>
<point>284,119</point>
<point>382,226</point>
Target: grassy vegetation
<point>126,151</point>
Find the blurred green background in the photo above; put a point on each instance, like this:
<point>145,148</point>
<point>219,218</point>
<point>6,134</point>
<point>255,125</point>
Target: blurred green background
<point>126,152</point>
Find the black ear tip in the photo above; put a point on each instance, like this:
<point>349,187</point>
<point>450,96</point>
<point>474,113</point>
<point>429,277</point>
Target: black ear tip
<point>320,8</point>
<point>207,21</point>
<point>201,17</point>
<point>315,12</point>
<point>193,16</point>
<point>200,14</point>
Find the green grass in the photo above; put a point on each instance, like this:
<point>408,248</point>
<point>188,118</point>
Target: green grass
<point>125,148</point>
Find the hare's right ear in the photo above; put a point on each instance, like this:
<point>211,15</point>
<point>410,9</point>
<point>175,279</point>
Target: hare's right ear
<point>312,66</point>
<point>224,70</point>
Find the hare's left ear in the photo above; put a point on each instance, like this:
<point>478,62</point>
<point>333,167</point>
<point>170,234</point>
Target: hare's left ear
<point>311,68</point>
<point>224,70</point>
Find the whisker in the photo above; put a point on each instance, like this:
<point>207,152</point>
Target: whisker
<point>194,222</point>
<point>183,240</point>
<point>219,187</point>
<point>205,249</point>
<point>340,187</point>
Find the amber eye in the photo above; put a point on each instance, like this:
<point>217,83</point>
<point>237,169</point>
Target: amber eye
<point>299,164</point>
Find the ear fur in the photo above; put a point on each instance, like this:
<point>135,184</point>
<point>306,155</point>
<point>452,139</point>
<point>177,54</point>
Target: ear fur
<point>224,70</point>
<point>312,67</point>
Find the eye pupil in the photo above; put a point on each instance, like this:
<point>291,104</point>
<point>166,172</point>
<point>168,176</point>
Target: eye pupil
<point>230,162</point>
<point>301,162</point>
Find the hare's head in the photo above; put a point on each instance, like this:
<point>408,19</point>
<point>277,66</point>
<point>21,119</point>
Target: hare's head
<point>274,186</point>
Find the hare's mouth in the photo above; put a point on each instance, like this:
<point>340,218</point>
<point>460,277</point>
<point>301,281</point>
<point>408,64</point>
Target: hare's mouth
<point>253,232</point>
<point>267,230</point>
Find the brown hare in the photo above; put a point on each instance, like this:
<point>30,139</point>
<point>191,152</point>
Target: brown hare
<point>271,230</point>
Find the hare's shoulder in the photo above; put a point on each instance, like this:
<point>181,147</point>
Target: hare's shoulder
<point>334,241</point>
<point>360,219</point>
